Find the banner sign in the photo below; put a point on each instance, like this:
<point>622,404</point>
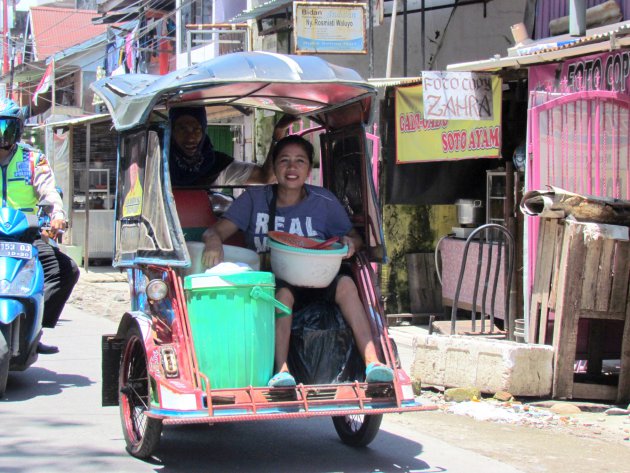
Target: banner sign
<point>329,28</point>
<point>607,71</point>
<point>457,95</point>
<point>419,139</point>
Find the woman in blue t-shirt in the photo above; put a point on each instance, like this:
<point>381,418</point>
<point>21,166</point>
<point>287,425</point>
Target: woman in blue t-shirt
<point>307,211</point>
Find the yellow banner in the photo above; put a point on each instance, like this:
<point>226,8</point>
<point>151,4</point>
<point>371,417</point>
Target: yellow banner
<point>421,140</point>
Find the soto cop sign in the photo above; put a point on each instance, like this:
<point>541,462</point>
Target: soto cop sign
<point>464,124</point>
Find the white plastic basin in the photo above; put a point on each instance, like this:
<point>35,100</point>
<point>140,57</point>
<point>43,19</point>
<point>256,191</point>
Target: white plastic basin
<point>232,254</point>
<point>306,267</point>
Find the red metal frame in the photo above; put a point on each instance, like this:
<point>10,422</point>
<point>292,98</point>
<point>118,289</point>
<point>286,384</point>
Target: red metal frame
<point>256,403</point>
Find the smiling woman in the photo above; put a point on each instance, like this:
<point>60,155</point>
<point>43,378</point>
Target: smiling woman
<point>305,210</point>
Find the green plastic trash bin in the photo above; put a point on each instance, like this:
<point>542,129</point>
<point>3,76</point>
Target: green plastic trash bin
<point>232,318</point>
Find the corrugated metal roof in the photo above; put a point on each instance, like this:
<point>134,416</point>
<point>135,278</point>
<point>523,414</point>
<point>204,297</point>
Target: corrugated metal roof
<point>553,9</point>
<point>56,29</point>
<point>392,81</point>
<point>566,41</point>
<point>102,117</point>
<point>260,10</point>
<point>555,48</point>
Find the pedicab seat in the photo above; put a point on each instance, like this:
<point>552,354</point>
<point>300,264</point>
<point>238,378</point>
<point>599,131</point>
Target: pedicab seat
<point>194,211</point>
<point>195,215</point>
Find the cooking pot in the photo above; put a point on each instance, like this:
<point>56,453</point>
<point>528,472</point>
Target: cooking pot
<point>469,211</point>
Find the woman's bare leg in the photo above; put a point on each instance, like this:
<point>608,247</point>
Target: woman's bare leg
<point>283,331</point>
<point>347,297</point>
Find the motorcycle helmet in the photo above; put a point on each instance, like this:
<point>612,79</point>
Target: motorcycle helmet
<point>11,123</point>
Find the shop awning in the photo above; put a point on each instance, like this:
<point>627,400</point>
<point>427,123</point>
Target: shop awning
<point>556,48</point>
<point>261,10</point>
<point>101,117</point>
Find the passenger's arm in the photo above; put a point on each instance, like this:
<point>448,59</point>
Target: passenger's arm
<point>354,242</point>
<point>214,237</point>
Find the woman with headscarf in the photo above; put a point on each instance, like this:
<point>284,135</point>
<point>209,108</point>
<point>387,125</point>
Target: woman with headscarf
<point>194,161</point>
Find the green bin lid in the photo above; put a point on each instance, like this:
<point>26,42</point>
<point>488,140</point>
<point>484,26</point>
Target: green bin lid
<point>245,278</point>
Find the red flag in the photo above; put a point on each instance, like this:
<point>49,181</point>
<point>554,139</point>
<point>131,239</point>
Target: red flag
<point>44,83</point>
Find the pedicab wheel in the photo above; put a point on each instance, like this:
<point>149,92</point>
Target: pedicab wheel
<point>142,433</point>
<point>357,430</point>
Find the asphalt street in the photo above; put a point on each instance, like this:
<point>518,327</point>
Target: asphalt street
<point>52,421</point>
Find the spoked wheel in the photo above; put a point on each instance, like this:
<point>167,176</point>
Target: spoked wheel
<point>357,430</point>
<point>142,433</point>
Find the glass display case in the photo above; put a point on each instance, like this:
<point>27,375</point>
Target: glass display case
<point>496,193</point>
<point>97,184</point>
<point>100,198</point>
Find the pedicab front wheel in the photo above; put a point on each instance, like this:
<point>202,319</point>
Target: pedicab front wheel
<point>142,433</point>
<point>357,430</point>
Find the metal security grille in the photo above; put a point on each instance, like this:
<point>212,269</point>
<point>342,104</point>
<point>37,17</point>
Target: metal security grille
<point>580,143</point>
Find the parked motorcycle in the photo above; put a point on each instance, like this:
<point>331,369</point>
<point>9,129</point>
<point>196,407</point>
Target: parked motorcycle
<point>21,290</point>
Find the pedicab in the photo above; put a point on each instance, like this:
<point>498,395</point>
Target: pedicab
<point>197,347</point>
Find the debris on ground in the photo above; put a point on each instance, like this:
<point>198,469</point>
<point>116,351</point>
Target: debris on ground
<point>606,422</point>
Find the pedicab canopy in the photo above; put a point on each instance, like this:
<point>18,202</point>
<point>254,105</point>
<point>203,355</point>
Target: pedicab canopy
<point>147,228</point>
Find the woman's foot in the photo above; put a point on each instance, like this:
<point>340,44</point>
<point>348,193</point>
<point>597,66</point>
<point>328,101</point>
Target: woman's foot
<point>378,373</point>
<point>282,379</point>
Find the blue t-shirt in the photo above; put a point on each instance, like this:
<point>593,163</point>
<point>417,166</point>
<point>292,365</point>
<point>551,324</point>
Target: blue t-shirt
<point>319,215</point>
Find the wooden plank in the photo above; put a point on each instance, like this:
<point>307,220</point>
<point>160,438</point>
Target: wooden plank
<point>591,268</point>
<point>556,265</point>
<point>604,276</point>
<point>623,387</point>
<point>534,307</point>
<point>545,269</point>
<point>566,321</point>
<point>621,275</point>
<point>534,318</point>
<point>424,288</point>
<point>602,392</point>
<point>590,314</point>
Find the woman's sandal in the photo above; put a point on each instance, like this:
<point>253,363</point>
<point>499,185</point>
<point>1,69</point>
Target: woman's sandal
<point>282,379</point>
<point>378,373</point>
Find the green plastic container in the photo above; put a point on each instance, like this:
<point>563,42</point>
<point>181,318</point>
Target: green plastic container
<point>232,318</point>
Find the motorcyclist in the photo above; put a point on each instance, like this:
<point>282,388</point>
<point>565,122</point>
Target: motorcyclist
<point>27,179</point>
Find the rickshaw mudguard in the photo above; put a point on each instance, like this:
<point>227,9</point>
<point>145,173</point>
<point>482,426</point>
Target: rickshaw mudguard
<point>112,346</point>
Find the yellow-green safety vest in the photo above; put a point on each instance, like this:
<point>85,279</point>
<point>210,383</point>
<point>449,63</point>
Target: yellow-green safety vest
<point>17,187</point>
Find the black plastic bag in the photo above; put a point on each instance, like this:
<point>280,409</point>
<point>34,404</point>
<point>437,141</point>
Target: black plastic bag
<point>322,348</point>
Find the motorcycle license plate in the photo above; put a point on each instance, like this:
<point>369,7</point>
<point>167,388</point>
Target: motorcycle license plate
<point>16,250</point>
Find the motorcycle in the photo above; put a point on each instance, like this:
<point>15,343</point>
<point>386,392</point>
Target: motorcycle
<point>21,290</point>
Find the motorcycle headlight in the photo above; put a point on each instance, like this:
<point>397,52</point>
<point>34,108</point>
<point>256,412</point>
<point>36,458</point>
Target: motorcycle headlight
<point>157,290</point>
<point>23,283</point>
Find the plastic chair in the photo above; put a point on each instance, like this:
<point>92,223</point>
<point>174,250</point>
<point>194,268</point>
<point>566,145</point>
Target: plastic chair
<point>486,278</point>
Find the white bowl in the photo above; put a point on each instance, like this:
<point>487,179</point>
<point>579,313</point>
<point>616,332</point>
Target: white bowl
<point>305,267</point>
<point>231,254</point>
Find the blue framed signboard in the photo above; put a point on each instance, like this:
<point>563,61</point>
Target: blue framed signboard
<point>331,28</point>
